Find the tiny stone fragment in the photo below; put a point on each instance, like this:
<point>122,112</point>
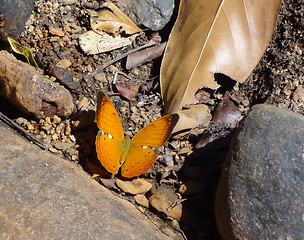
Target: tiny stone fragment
<point>165,200</point>
<point>136,186</point>
<point>141,200</point>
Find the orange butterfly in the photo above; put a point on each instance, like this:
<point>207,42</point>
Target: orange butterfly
<point>134,156</point>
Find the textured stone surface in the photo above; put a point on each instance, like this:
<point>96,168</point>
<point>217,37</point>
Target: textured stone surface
<point>261,190</point>
<point>153,14</point>
<point>46,197</point>
<point>165,200</point>
<point>33,94</point>
<point>135,186</point>
<point>14,14</point>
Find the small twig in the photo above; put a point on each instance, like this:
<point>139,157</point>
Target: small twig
<point>98,70</point>
<point>23,132</point>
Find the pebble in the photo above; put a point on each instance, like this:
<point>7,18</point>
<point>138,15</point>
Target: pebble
<point>191,187</point>
<point>168,158</point>
<point>46,127</point>
<point>136,186</point>
<point>165,200</point>
<point>76,29</point>
<point>22,121</point>
<point>83,104</point>
<point>141,200</point>
<point>53,150</point>
<point>63,145</point>
<point>73,139</point>
<point>56,119</point>
<point>30,127</point>
<point>54,136</point>
<point>68,2</point>
<point>64,63</point>
<point>68,130</point>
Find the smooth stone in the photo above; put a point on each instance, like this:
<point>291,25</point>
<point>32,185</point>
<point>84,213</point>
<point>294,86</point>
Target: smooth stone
<point>47,197</point>
<point>135,186</point>
<point>153,14</point>
<point>260,194</point>
<point>68,2</point>
<point>165,200</point>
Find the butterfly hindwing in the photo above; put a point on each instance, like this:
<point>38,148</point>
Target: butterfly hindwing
<point>138,161</point>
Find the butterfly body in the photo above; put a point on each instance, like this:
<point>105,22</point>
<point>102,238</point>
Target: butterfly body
<point>134,156</point>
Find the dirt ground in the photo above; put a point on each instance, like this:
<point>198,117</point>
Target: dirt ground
<point>278,80</point>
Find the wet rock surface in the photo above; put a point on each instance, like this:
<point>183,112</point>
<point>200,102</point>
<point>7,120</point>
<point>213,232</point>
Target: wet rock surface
<point>260,193</point>
<point>47,197</point>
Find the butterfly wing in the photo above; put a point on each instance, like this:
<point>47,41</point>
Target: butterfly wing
<point>157,132</point>
<point>107,117</point>
<point>138,161</point>
<point>110,137</point>
<point>141,154</point>
<point>108,152</point>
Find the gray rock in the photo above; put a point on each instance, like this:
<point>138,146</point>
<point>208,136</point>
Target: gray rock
<point>14,14</point>
<point>261,190</point>
<point>46,197</point>
<point>153,14</point>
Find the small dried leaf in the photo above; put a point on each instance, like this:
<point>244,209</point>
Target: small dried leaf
<point>145,55</point>
<point>202,96</point>
<point>112,20</point>
<point>226,111</point>
<point>94,43</point>
<point>23,50</point>
<point>193,116</point>
<point>117,4</point>
<point>56,31</point>
<point>125,92</point>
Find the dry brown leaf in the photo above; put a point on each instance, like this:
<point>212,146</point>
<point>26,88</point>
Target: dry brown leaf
<point>112,20</point>
<point>227,111</point>
<point>145,55</point>
<point>94,43</point>
<point>226,36</point>
<point>125,92</point>
<point>56,31</point>
<point>193,116</point>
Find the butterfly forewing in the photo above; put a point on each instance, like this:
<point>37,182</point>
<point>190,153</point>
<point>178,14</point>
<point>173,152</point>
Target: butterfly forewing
<point>107,117</point>
<point>155,133</point>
